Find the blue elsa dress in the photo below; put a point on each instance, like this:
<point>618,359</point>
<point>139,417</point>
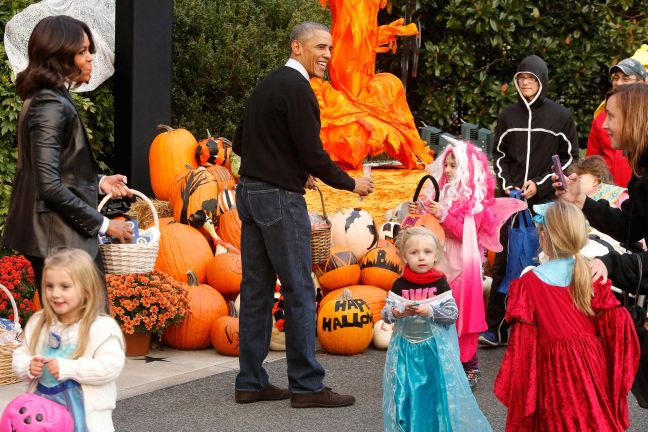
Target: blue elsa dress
<point>61,343</point>
<point>424,384</point>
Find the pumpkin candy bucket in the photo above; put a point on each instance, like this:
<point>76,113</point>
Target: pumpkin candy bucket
<point>125,258</point>
<point>429,221</point>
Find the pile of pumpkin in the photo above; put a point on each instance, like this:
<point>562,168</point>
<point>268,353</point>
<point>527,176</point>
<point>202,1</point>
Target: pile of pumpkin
<point>204,237</point>
<point>200,244</point>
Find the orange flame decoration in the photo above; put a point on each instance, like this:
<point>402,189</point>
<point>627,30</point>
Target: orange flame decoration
<point>364,113</point>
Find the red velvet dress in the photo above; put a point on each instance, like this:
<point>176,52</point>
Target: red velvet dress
<point>563,370</point>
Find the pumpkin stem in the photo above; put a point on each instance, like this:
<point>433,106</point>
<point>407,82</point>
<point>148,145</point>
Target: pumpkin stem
<point>192,278</point>
<point>208,133</point>
<point>165,127</point>
<point>346,295</point>
<point>233,312</point>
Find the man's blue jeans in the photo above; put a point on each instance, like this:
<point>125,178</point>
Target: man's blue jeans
<point>275,241</point>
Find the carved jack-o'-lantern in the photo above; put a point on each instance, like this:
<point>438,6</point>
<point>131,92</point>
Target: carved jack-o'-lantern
<point>380,267</point>
<point>344,325</point>
<point>29,412</point>
<point>355,229</point>
<point>339,270</point>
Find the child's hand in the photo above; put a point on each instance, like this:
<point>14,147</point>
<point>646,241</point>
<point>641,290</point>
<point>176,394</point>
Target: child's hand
<point>423,311</point>
<point>414,207</point>
<point>36,366</point>
<point>434,207</point>
<point>404,313</point>
<point>53,366</point>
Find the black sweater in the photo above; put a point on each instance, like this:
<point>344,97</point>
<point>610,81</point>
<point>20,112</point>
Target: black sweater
<point>627,224</point>
<point>527,136</point>
<point>278,138</point>
<point>441,285</point>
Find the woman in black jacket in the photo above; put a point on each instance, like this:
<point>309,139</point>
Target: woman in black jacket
<point>627,124</point>
<point>54,196</point>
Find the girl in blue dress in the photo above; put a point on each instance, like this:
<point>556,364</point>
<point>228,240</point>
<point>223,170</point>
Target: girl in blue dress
<point>424,385</point>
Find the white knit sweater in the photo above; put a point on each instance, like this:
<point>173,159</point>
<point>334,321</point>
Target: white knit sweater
<point>96,370</point>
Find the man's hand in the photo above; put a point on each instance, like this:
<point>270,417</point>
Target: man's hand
<point>572,191</point>
<point>311,183</point>
<point>115,185</point>
<point>363,186</point>
<point>121,230</point>
<point>529,189</point>
<point>599,271</point>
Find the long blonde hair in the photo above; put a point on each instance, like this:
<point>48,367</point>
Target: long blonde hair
<point>405,235</point>
<point>83,272</point>
<point>633,104</point>
<point>565,234</point>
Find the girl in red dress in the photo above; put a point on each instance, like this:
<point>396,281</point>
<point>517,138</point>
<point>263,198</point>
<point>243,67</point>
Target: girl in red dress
<point>573,351</point>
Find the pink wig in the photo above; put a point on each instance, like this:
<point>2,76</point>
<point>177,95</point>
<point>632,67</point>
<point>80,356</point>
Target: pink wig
<point>472,189</point>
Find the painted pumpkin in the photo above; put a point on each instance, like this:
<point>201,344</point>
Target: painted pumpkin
<point>183,247</point>
<point>229,228</point>
<point>29,412</point>
<point>374,296</point>
<point>170,152</point>
<point>382,333</point>
<point>210,151</point>
<point>223,176</point>
<point>338,270</point>
<point>388,231</point>
<point>195,189</point>
<point>355,229</point>
<point>380,267</point>
<point>226,201</point>
<point>225,333</point>
<point>344,325</point>
<point>206,305</point>
<point>224,274</point>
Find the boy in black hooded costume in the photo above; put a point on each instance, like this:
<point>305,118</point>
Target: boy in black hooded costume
<point>528,133</point>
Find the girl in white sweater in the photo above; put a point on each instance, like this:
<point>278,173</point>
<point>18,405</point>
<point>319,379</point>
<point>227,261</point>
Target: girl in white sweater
<point>74,350</point>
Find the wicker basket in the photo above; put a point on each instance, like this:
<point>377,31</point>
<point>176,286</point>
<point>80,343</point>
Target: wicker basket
<point>6,349</point>
<point>321,237</point>
<point>124,258</point>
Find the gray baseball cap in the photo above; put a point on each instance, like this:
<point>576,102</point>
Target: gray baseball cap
<point>630,67</point>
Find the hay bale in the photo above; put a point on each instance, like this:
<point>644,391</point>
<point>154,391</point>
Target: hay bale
<point>142,212</point>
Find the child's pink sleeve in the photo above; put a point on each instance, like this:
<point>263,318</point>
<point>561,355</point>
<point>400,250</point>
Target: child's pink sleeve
<point>453,224</point>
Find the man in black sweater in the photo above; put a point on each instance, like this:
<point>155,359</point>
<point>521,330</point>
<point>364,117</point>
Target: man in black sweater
<point>278,140</point>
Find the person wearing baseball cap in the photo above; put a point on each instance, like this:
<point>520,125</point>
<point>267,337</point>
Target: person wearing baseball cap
<point>627,71</point>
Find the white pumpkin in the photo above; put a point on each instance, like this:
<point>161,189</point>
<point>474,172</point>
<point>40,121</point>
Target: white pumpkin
<point>237,304</point>
<point>382,334</point>
<point>277,338</point>
<point>355,229</point>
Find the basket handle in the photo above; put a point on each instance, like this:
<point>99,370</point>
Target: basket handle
<point>140,195</point>
<point>13,304</point>
<point>420,186</point>
<point>322,199</point>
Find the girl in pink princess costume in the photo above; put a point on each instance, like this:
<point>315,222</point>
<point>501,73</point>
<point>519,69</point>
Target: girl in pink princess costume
<point>471,218</point>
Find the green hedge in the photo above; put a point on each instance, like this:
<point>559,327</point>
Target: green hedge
<point>471,50</point>
<point>96,109</point>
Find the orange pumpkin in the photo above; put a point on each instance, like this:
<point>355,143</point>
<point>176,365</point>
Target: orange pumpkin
<point>223,177</point>
<point>183,247</point>
<point>212,151</point>
<point>193,332</point>
<point>169,153</point>
<point>355,229</point>
<point>338,270</point>
<point>225,333</point>
<point>380,267</point>
<point>229,228</point>
<point>195,189</point>
<point>374,296</point>
<point>344,325</point>
<point>224,274</point>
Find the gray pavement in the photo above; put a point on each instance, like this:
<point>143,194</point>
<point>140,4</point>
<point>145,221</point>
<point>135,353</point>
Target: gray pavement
<point>208,404</point>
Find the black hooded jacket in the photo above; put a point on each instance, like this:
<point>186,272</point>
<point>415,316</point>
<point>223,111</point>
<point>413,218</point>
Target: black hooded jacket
<point>529,133</point>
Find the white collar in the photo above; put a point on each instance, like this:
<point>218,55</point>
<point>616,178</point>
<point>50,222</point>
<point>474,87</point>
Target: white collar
<point>292,63</point>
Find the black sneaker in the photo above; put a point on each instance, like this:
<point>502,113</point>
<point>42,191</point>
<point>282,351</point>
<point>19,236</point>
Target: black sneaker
<point>489,339</point>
